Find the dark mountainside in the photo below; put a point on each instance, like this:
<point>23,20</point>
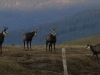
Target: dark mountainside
<point>16,19</point>
<point>80,25</point>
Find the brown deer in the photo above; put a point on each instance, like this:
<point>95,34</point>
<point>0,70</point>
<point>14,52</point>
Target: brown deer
<point>95,49</point>
<point>27,37</point>
<point>51,39</point>
<point>2,36</point>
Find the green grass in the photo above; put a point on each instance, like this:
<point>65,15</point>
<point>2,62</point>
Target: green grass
<point>83,41</point>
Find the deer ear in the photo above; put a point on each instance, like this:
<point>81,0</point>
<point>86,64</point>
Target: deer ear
<point>6,27</point>
<point>35,30</point>
<point>53,29</point>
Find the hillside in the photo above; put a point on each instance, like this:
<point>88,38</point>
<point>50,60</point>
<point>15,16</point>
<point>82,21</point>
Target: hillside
<point>83,24</point>
<point>17,61</point>
<point>18,14</point>
<point>84,41</point>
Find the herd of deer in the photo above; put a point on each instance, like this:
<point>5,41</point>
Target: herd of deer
<point>50,39</point>
<point>27,38</point>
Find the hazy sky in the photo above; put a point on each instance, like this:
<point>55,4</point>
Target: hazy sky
<point>34,4</point>
<point>27,4</point>
<point>6,18</point>
<point>38,4</point>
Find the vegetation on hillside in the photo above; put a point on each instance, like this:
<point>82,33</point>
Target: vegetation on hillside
<point>83,24</point>
<point>94,40</point>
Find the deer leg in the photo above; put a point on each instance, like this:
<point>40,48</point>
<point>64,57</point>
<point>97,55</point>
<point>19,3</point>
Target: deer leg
<point>30,44</point>
<point>27,45</point>
<point>51,47</point>
<point>46,46</point>
<point>97,57</point>
<point>24,44</point>
<point>0,49</point>
<point>54,47</point>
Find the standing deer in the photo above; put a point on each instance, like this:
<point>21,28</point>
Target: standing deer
<point>95,49</point>
<point>27,37</point>
<point>2,35</point>
<point>51,39</point>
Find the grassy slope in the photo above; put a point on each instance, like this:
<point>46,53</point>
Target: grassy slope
<point>16,61</point>
<point>83,41</point>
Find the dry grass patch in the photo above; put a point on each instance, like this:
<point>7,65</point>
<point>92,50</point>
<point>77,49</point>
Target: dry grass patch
<point>39,62</point>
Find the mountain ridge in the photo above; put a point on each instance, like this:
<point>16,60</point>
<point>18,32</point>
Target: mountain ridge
<point>15,18</point>
<point>81,25</point>
<point>94,40</point>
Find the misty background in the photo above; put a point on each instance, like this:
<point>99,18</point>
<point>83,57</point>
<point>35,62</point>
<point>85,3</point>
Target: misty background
<point>73,19</point>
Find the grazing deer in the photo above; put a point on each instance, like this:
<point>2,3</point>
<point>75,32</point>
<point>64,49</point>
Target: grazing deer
<point>2,35</point>
<point>27,37</point>
<point>51,39</point>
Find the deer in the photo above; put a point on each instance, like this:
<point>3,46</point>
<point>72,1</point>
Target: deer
<point>27,37</point>
<point>2,36</point>
<point>95,49</point>
<point>51,39</point>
